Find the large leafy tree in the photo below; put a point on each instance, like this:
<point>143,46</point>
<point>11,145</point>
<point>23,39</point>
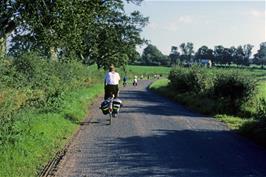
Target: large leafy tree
<point>95,31</point>
<point>174,55</point>
<point>233,53</point>
<point>186,51</point>
<point>260,56</point>
<point>204,53</point>
<point>117,37</point>
<point>247,50</point>
<point>218,54</point>
<point>8,15</point>
<point>56,24</point>
<point>240,55</point>
<point>153,56</point>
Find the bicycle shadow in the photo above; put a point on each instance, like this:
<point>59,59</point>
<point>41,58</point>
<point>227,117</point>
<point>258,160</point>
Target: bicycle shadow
<point>98,122</point>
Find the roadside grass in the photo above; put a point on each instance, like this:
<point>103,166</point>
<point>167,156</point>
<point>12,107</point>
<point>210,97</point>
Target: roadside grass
<point>47,133</point>
<point>262,90</point>
<point>235,123</point>
<point>160,85</point>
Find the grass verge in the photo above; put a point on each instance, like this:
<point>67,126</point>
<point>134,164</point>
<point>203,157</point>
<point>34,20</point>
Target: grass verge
<point>45,135</point>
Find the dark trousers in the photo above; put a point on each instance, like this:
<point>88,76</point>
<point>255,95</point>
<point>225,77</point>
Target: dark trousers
<point>110,90</point>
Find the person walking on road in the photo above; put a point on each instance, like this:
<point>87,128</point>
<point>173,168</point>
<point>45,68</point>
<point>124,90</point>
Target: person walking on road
<point>125,81</point>
<point>135,82</point>
<point>111,82</point>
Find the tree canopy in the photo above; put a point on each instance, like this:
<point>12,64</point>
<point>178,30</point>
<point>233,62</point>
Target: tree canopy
<point>153,56</point>
<point>260,56</point>
<point>96,31</point>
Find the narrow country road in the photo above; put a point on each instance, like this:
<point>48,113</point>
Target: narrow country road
<point>156,137</point>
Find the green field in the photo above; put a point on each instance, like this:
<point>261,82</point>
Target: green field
<point>147,70</point>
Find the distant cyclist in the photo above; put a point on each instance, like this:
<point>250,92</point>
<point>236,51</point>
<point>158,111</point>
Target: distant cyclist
<point>111,82</point>
<point>135,81</point>
<point>124,81</point>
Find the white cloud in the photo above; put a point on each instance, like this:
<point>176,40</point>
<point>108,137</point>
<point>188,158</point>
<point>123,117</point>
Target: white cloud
<point>171,26</point>
<point>257,13</point>
<point>174,24</point>
<point>185,19</point>
<point>166,26</point>
<point>153,25</point>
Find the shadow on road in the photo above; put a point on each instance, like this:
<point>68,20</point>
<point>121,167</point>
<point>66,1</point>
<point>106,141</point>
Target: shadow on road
<point>152,104</point>
<point>186,154</point>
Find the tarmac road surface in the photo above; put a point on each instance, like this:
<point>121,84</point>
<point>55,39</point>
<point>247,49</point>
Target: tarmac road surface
<point>154,136</point>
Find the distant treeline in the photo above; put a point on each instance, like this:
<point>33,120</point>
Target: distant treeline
<point>241,55</point>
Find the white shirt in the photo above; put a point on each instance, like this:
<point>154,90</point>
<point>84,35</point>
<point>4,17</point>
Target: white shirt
<point>112,78</point>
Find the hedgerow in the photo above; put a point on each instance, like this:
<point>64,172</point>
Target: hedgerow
<point>34,82</point>
<point>229,89</point>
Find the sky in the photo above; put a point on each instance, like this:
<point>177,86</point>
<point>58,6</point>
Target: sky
<point>209,22</point>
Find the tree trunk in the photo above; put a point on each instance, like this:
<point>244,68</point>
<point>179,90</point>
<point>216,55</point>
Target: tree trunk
<point>53,54</point>
<point>3,46</point>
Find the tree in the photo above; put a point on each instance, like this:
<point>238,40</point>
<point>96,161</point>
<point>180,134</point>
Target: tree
<point>58,24</point>
<point>174,55</point>
<point>134,57</point>
<point>8,10</point>
<point>218,54</point>
<point>260,56</point>
<point>201,53</point>
<point>247,51</point>
<point>240,55</point>
<point>98,31</point>
<point>233,52</point>
<point>210,55</point>
<point>187,51</point>
<point>117,36</point>
<point>227,56</point>
<point>152,56</point>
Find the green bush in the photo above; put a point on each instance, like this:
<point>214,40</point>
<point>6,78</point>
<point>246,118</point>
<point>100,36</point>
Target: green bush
<point>261,110</point>
<point>11,101</point>
<point>189,80</point>
<point>232,90</point>
<point>31,81</point>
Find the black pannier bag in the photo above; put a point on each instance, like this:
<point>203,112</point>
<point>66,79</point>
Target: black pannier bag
<point>105,107</point>
<point>117,104</point>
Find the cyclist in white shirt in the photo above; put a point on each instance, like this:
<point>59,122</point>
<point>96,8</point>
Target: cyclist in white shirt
<point>111,82</point>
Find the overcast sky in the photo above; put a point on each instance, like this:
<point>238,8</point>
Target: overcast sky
<point>203,22</point>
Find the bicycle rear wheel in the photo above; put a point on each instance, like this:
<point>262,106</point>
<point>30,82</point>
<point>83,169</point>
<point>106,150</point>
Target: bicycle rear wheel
<point>110,118</point>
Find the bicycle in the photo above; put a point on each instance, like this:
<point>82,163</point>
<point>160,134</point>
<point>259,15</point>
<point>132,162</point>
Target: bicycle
<point>124,84</point>
<point>110,109</point>
<point>114,108</point>
<point>135,82</point>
